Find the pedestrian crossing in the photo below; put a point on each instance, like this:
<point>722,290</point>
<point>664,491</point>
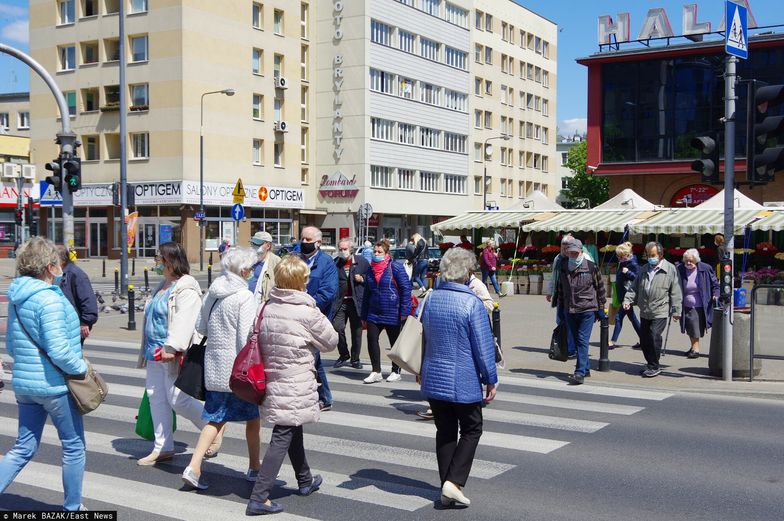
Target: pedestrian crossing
<point>375,454</point>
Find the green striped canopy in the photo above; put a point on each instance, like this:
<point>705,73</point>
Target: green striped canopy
<point>476,220</point>
<point>774,222</point>
<point>589,221</point>
<point>692,220</point>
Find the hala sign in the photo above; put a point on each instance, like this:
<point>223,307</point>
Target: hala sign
<point>338,186</point>
<point>657,25</point>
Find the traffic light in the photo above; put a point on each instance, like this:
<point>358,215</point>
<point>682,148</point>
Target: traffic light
<point>73,173</point>
<point>725,280</point>
<point>763,158</point>
<point>31,217</point>
<point>130,194</point>
<point>19,219</point>
<point>56,179</point>
<point>708,164</point>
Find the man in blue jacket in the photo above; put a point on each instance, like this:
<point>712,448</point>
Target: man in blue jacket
<point>79,292</point>
<point>323,287</point>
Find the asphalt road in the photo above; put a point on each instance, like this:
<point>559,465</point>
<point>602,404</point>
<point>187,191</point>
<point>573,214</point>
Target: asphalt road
<point>549,452</point>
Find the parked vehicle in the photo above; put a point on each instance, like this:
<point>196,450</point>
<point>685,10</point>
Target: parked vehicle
<point>433,257</point>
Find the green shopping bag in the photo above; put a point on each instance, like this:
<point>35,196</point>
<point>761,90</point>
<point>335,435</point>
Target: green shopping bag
<point>144,426</point>
<point>616,302</point>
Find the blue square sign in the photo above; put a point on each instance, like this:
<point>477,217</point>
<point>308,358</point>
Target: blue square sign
<point>736,41</point>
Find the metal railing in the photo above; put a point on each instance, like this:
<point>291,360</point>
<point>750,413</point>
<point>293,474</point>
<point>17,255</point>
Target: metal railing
<point>774,296</point>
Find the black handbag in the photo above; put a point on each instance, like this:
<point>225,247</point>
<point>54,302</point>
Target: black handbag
<point>559,343</point>
<point>191,377</point>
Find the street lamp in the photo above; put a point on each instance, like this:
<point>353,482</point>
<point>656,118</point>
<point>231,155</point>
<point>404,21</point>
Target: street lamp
<point>487,150</point>
<point>227,92</point>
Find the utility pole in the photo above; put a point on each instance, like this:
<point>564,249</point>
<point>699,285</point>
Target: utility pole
<point>123,160</point>
<point>730,81</point>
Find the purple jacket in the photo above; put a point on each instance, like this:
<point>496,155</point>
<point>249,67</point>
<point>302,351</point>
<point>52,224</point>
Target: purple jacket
<point>709,288</point>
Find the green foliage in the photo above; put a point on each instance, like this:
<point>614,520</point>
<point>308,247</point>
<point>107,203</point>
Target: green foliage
<point>584,185</point>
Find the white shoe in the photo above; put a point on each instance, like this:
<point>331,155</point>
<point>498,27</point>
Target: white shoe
<point>451,493</point>
<point>373,378</point>
<point>393,377</point>
<point>191,479</point>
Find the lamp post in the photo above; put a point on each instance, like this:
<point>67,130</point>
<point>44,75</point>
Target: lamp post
<point>227,92</point>
<point>488,151</point>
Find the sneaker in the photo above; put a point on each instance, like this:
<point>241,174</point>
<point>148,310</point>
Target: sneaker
<point>340,362</point>
<point>251,475</point>
<point>501,295</point>
<point>576,379</point>
<point>314,486</point>
<point>650,373</point>
<point>324,407</point>
<point>356,364</point>
<point>191,479</point>
<point>373,378</point>
<point>393,377</point>
<point>426,415</point>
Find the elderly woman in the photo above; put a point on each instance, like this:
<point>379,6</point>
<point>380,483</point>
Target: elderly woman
<point>627,272</point>
<point>700,289</point>
<point>226,319</point>
<point>43,338</point>
<point>167,332</point>
<point>292,329</point>
<point>459,357</point>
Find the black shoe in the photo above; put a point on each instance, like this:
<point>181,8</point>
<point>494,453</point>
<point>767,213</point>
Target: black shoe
<point>572,356</point>
<point>324,407</point>
<point>692,354</point>
<point>576,379</point>
<point>260,509</point>
<point>340,362</point>
<point>356,364</point>
<point>314,486</point>
<point>588,374</point>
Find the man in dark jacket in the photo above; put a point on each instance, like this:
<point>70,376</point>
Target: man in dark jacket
<point>351,288</point>
<point>79,292</point>
<point>323,287</point>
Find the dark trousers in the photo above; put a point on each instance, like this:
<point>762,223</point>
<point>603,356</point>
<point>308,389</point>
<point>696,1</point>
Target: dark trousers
<point>455,457</point>
<point>324,392</point>
<point>619,322</point>
<point>285,439</point>
<point>347,312</point>
<point>651,340</point>
<point>374,349</point>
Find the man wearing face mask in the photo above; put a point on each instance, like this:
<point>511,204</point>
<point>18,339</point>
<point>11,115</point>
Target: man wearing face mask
<point>657,292</point>
<point>79,292</point>
<point>351,269</point>
<point>551,292</point>
<point>582,295</point>
<point>263,278</point>
<point>323,287</point>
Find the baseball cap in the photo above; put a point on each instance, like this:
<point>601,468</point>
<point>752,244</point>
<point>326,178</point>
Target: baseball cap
<point>574,245</point>
<point>260,238</point>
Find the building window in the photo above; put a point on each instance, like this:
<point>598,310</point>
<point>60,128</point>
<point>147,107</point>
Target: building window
<point>409,3</point>
<point>138,49</point>
<point>89,52</point>
<point>530,71</point>
<point>258,61</point>
<point>406,179</point>
<point>91,148</point>
<point>277,107</point>
<point>454,184</point>
<point>478,86</point>
<point>380,81</point>
<point>89,8</point>
<point>546,50</point>
<point>278,153</point>
<point>258,107</point>
<point>112,141</point>
<point>488,119</point>
<point>70,98</point>
<point>488,22</point>
<point>545,107</point>
<point>455,142</point>
<point>429,93</point>
<point>405,87</point>
<point>488,87</point>
<point>478,152</point>
<point>564,158</point>
<point>277,21</point>
<point>277,65</point>
<point>380,33</point>
<point>504,64</point>
<point>456,15</point>
<point>479,20</point>
<point>111,95</point>
<point>503,187</point>
<point>303,62</point>
<point>303,157</point>
<point>140,145</point>
<point>431,6</point>
<point>4,121</point>
<point>456,58</point>
<point>504,94</point>
<point>456,100</point>
<point>406,41</point>
<point>67,58</point>
<point>138,6</point>
<point>90,99</point>
<point>257,16</point>
<point>112,49</point>
<point>546,78</point>
<point>429,137</point>
<point>304,177</point>
<point>529,130</point>
<point>428,181</point>
<point>258,151</point>
<point>382,129</point>
<point>303,104</point>
<point>530,102</point>
<point>478,50</point>
<point>545,164</point>
<point>406,133</point>
<point>380,176</point>
<point>140,96</point>
<point>304,20</point>
<point>67,12</point>
<point>429,49</point>
<point>477,118</point>
<point>489,55</point>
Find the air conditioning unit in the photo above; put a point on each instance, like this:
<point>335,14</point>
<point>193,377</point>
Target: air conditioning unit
<point>28,172</point>
<point>773,204</point>
<point>281,82</point>
<point>281,126</point>
<point>10,170</point>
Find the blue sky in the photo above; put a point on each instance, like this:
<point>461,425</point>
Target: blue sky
<point>577,21</point>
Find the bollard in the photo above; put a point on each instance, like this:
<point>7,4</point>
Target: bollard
<point>604,343</point>
<point>210,261</point>
<point>117,280</point>
<point>146,280</point>
<point>497,323</point>
<point>131,309</point>
<point>209,275</point>
<point>103,269</point>
<point>133,267</point>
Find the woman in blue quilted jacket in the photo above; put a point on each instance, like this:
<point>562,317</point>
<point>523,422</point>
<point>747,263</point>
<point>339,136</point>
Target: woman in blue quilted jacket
<point>459,357</point>
<point>44,339</point>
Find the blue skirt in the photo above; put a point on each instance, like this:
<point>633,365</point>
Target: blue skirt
<point>225,407</point>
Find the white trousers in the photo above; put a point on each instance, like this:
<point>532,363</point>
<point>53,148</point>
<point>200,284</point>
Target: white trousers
<point>164,397</point>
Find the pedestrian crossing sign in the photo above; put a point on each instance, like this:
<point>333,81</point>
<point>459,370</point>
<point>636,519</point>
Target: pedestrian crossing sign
<point>736,41</point>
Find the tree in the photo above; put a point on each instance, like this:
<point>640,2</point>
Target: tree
<point>583,185</point>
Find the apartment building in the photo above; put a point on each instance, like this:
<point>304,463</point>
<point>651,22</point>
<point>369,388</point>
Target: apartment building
<point>242,68</point>
<point>15,114</point>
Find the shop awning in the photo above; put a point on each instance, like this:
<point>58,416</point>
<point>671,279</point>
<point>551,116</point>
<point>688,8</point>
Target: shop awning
<point>590,221</point>
<point>489,219</point>
<point>692,220</point>
<point>773,222</point>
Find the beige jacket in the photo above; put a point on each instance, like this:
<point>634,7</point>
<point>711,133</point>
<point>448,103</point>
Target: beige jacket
<point>266,279</point>
<point>292,328</point>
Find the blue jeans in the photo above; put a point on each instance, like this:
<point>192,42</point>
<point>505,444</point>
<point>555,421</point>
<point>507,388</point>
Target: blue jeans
<point>619,322</point>
<point>418,276</point>
<point>325,395</point>
<point>491,274</point>
<point>66,418</point>
<point>580,325</point>
<point>560,316</point>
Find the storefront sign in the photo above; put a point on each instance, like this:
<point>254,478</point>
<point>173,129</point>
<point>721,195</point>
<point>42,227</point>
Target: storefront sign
<point>374,220</point>
<point>337,79</point>
<point>9,194</point>
<point>691,196</point>
<point>338,186</point>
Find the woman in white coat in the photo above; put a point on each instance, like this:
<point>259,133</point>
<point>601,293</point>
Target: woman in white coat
<point>292,329</point>
<point>226,319</point>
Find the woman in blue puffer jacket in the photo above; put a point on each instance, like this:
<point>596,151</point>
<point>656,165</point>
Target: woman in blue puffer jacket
<point>459,357</point>
<point>40,318</point>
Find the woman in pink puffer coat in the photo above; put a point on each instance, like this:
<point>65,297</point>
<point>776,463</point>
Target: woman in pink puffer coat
<point>292,329</point>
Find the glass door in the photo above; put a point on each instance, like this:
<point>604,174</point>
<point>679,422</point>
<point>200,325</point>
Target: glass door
<point>98,240</point>
<point>146,238</point>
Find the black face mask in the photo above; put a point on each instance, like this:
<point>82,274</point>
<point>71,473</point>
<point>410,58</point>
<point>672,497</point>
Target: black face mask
<point>307,247</point>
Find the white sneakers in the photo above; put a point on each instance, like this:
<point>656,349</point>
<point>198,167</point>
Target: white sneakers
<point>373,378</point>
<point>393,377</point>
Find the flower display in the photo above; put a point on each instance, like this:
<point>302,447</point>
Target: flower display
<point>551,248</point>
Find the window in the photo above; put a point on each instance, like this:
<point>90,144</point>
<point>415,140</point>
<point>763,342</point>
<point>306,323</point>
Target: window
<point>545,136</point>
<point>454,184</point>
<point>303,158</point>
<point>406,133</point>
<point>529,102</point>
<point>489,55</point>
<point>140,145</point>
<point>111,94</point>
<point>277,21</point>
<point>530,72</point>
<point>89,52</point>
<point>112,48</point>
<point>456,15</point>
<point>522,70</point>
<point>380,81</point>
<point>138,6</point>
<point>257,15</point>
<point>479,20</point>
<point>89,8</point>
<point>67,58</point>
<point>431,6</point>
<point>546,50</point>
<point>478,118</point>
<point>456,100</point>
<point>529,130</point>
<point>455,142</point>
<point>488,119</point>
<point>405,87</point>
<point>303,62</point>
<point>510,98</point>
<point>504,94</point>
<point>406,41</point>
<point>278,108</point>
<point>478,50</point>
<point>277,65</point>
<point>382,129</point>
<point>456,58</point>
<point>477,185</point>
<point>406,179</point>
<point>429,49</point>
<point>537,103</point>
<point>429,137</point>
<point>4,121</point>
<point>277,154</point>
<point>538,75</point>
<point>258,61</point>
<point>503,125</point>
<point>90,99</point>
<point>258,152</point>
<point>67,12</point>
<point>489,22</point>
<point>478,86</point>
<point>380,33</point>
<point>545,163</point>
<point>409,3</point>
<point>70,98</point>
<point>258,107</point>
<point>429,93</point>
<point>138,48</point>
<point>522,100</point>
<point>112,7</point>
<point>428,181</point>
<point>504,31</point>
<point>112,141</point>
<point>303,102</point>
<point>488,87</point>
<point>538,45</point>
<point>504,63</point>
<point>91,148</point>
<point>546,78</point>
<point>511,34</point>
<point>503,186</point>
<point>564,158</point>
<point>380,176</point>
<point>139,95</point>
<point>545,107</point>
<point>531,41</point>
<point>521,162</point>
<point>304,177</point>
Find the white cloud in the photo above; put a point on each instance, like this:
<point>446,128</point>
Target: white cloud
<point>568,127</point>
<point>16,32</point>
<point>12,11</point>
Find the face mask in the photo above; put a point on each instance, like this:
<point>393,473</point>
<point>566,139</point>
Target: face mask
<point>58,278</point>
<point>378,258</point>
<point>653,261</point>
<point>249,275</point>
<point>158,268</point>
<point>574,262</point>
<point>343,255</point>
<point>307,247</point>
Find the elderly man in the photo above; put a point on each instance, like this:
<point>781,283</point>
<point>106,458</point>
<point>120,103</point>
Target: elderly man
<point>323,287</point>
<point>79,292</point>
<point>551,293</point>
<point>352,269</point>
<point>657,292</point>
<point>263,278</point>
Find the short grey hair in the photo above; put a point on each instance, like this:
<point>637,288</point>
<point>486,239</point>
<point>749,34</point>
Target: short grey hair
<point>238,258</point>
<point>654,244</point>
<point>693,253</point>
<point>316,232</point>
<point>35,256</point>
<point>457,264</point>
<point>347,241</point>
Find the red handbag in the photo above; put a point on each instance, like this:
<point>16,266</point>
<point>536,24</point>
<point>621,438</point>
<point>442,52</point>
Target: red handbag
<point>248,380</point>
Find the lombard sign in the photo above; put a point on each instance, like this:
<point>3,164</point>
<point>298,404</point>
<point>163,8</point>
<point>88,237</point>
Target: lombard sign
<point>338,186</point>
<point>657,25</point>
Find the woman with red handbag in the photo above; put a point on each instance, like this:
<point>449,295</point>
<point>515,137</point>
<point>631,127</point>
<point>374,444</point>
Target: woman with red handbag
<point>292,329</point>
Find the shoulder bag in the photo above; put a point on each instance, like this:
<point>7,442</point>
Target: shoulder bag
<point>407,350</point>
<point>248,379</point>
<point>191,377</point>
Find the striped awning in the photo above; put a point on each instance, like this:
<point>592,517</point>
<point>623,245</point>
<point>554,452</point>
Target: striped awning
<point>772,222</point>
<point>489,219</point>
<point>590,221</point>
<point>691,220</point>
